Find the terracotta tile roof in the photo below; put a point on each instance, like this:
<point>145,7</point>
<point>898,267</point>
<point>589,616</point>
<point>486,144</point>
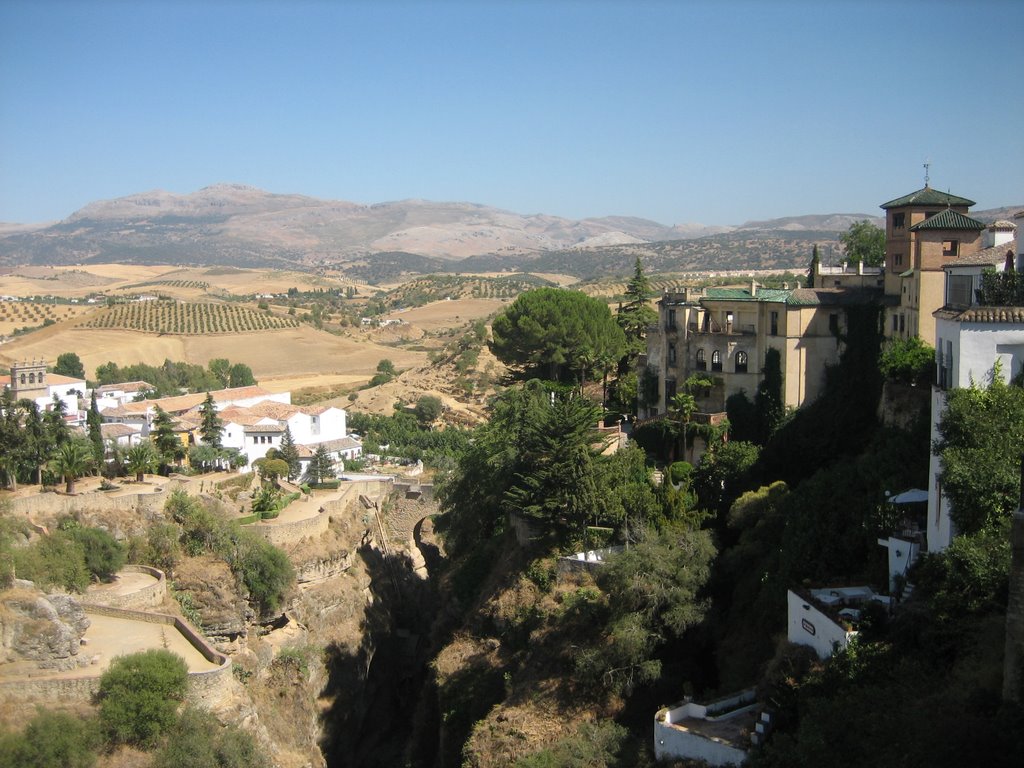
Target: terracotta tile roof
<point>992,256</point>
<point>993,315</point>
<point>927,196</point>
<point>127,386</point>
<point>264,428</point>
<point>53,379</point>
<point>274,409</point>
<point>114,431</point>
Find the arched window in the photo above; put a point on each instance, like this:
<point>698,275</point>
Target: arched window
<point>716,361</point>
<point>23,379</point>
<point>701,362</point>
<point>741,362</point>
<point>31,378</point>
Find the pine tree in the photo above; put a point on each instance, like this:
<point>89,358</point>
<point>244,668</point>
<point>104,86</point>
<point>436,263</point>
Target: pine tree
<point>321,467</point>
<point>168,446</point>
<point>57,429</point>
<point>290,454</point>
<point>93,422</point>
<point>636,315</point>
<point>211,427</point>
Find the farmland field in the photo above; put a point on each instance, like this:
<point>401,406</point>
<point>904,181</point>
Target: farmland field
<point>186,318</point>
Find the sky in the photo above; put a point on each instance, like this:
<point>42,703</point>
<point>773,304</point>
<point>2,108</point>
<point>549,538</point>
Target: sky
<point>680,112</point>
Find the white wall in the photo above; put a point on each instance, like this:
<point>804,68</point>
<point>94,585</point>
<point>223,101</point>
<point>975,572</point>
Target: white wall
<point>809,626</point>
<point>673,743</point>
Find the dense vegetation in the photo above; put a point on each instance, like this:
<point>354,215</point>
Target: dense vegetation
<point>173,378</point>
<point>698,601</point>
<point>140,705</point>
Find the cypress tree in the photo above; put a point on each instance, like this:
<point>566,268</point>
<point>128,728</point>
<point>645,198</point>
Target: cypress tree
<point>93,422</point>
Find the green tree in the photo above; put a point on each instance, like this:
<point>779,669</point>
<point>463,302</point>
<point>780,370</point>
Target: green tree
<point>240,375</point>
<point>13,439</point>
<point>555,483</point>
<point>52,739</point>
<point>265,571</point>
<point>271,469</point>
<point>812,271</point>
<point>58,431</point>
<point>652,591</point>
<point>104,555</point>
<point>471,494</point>
<point>864,242</point>
<point>220,367</point>
<point>636,315</point>
<point>198,740</point>
<point>909,360</point>
<point>385,373</point>
<point>981,439</point>
<point>69,364</point>
<point>555,332</point>
<point>72,460</point>
<point>93,428</point>
<point>142,458</point>
<point>36,444</point>
<point>211,426</point>
<point>428,409</point>
<point>321,466</point>
<point>768,400</point>
<point>289,453</point>
<point>168,446</point>
<point>139,696</point>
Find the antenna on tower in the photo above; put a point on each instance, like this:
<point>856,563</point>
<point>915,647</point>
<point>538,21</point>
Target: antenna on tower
<point>927,166</point>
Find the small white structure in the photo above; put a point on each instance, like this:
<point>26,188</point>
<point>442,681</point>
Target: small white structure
<point>825,619</point>
<point>719,733</point>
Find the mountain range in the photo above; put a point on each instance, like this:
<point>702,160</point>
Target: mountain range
<point>238,225</point>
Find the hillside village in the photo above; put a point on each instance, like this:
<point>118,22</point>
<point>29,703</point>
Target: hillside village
<point>779,528</point>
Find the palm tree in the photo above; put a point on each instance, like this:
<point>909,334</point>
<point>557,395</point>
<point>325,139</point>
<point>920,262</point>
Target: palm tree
<point>72,460</point>
<point>141,458</point>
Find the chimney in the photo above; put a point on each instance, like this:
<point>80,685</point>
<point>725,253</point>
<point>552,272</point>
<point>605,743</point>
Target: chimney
<point>1013,658</point>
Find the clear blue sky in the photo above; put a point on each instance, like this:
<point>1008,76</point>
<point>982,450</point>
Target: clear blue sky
<point>710,112</point>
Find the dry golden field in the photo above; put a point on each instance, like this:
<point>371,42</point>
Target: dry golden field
<point>19,314</point>
<point>440,315</point>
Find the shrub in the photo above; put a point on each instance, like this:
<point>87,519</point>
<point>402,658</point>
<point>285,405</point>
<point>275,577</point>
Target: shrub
<point>56,560</point>
<point>197,740</point>
<point>51,739</point>
<point>265,570</point>
<point>139,696</point>
<point>104,556</point>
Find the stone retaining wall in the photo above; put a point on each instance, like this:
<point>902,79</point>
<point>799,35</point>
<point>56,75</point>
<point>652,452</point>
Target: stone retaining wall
<point>147,597</point>
<point>291,532</point>
<point>56,504</point>
<point>204,688</point>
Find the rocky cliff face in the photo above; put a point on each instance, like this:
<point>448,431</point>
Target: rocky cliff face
<point>44,629</point>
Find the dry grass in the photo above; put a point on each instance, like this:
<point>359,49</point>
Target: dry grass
<point>446,315</point>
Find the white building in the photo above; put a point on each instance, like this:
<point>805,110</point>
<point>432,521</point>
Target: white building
<point>971,338</point>
<point>825,619</point>
<point>719,733</point>
<point>31,381</point>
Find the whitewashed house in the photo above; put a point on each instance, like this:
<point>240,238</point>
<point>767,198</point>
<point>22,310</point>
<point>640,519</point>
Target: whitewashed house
<point>972,335</point>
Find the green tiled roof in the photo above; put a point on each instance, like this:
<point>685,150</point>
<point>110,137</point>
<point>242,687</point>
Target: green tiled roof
<point>927,196</point>
<point>949,219</point>
<point>743,294</point>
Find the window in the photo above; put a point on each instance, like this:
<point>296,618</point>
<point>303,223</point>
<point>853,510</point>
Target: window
<point>899,220</point>
<point>728,321</point>
<point>958,290</point>
<point>903,322</point>
<point>671,322</point>
<point>775,324</point>
<point>950,247</point>
<point>702,364</point>
<point>897,259</point>
<point>31,378</point>
<point>23,379</point>
<point>833,324</point>
<point>716,361</point>
<point>671,354</point>
<point>670,390</point>
<point>895,323</point>
<point>741,362</point>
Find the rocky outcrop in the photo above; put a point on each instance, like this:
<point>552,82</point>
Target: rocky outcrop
<point>45,629</point>
<point>215,594</point>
